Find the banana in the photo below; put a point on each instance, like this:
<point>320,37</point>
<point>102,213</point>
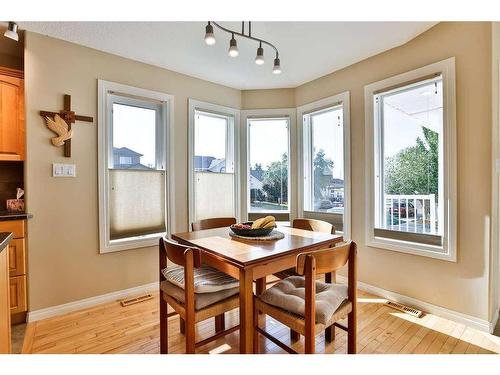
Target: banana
<point>263,222</point>
<point>271,224</point>
<point>257,223</point>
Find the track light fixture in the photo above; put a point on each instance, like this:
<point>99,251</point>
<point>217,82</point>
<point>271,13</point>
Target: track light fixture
<point>259,59</point>
<point>277,66</point>
<point>209,34</point>
<point>11,31</point>
<point>233,47</point>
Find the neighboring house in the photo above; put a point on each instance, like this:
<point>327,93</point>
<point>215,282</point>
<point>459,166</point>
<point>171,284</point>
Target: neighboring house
<point>255,183</point>
<point>334,186</point>
<point>125,158</point>
<point>209,164</point>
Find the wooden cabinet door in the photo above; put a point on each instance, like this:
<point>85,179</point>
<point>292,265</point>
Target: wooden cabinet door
<point>17,227</point>
<point>17,262</point>
<point>17,294</point>
<point>4,303</point>
<point>12,138</point>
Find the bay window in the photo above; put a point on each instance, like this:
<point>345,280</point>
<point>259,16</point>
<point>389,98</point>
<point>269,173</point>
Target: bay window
<point>132,166</point>
<point>325,163</point>
<point>268,166</point>
<point>213,161</point>
<point>410,130</point>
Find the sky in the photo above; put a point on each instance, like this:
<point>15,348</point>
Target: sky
<point>135,128</point>
<point>268,141</point>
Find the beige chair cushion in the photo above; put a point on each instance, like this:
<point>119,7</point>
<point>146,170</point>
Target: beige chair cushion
<point>206,279</point>
<point>289,295</point>
<point>201,300</point>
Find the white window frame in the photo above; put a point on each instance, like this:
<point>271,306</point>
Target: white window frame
<point>341,99</point>
<point>266,114</point>
<point>232,141</point>
<point>447,251</point>
<point>164,147</point>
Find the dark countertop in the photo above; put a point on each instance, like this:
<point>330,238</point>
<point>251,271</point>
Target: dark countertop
<point>5,215</point>
<point>4,240</point>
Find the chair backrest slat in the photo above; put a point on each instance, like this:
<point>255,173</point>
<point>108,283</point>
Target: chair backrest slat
<point>216,222</point>
<point>314,225</point>
<point>327,260</point>
<point>176,252</point>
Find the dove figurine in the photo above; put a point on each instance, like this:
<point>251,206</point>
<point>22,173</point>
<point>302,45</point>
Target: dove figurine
<point>61,128</point>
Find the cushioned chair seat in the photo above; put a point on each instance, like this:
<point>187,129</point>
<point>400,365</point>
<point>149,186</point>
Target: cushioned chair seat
<point>206,279</point>
<point>286,273</point>
<point>201,300</point>
<point>289,295</point>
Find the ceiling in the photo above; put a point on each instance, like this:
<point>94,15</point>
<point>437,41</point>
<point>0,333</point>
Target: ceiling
<point>308,50</point>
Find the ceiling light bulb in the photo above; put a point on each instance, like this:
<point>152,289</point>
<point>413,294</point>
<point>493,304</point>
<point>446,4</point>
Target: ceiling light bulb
<point>209,35</point>
<point>11,31</point>
<point>259,59</point>
<point>277,66</point>
<point>233,48</point>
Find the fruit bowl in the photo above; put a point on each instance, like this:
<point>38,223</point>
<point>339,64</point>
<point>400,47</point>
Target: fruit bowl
<point>249,232</point>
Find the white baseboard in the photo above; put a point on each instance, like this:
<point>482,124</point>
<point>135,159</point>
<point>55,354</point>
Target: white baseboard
<point>89,302</point>
<point>468,320</point>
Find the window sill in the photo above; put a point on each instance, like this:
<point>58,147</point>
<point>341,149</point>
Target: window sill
<point>428,251</point>
<point>131,243</point>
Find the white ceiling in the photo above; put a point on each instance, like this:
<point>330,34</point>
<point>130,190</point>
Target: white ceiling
<point>308,50</point>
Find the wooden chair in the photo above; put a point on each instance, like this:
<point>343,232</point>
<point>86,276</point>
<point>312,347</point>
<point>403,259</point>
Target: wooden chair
<point>185,303</point>
<point>216,222</point>
<point>314,226</point>
<point>308,265</point>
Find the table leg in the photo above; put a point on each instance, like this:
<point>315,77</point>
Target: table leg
<point>246,311</point>
<point>260,286</point>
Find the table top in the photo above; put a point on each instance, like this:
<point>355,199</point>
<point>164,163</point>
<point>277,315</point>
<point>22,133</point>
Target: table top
<point>247,252</point>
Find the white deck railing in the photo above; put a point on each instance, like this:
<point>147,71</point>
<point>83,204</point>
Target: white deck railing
<point>421,218</point>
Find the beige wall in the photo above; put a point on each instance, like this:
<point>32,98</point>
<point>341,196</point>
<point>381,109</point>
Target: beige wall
<point>63,236</point>
<point>64,261</point>
<point>268,99</point>
<point>461,286</point>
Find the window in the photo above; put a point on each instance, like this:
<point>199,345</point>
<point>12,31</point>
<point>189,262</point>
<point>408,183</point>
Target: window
<point>268,165</point>
<point>213,172</point>
<point>412,159</point>
<point>133,166</point>
<point>325,164</point>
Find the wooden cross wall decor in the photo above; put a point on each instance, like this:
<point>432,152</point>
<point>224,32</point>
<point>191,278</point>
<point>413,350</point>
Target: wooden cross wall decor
<point>69,117</point>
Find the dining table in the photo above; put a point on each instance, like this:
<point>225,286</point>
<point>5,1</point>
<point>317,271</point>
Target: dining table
<point>250,260</point>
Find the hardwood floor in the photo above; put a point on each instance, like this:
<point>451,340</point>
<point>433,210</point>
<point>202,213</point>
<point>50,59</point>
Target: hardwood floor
<point>110,328</point>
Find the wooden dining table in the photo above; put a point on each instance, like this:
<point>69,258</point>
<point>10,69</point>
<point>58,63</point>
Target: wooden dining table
<point>249,260</point>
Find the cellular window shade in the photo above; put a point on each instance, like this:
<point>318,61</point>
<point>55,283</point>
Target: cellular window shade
<point>214,195</point>
<point>136,203</point>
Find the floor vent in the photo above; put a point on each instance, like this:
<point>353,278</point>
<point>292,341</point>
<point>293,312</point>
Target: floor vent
<point>408,310</point>
<point>132,301</point>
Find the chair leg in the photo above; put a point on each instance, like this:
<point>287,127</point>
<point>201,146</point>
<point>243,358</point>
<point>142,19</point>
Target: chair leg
<point>310,344</point>
<point>294,336</point>
<point>352,333</point>
<point>182,326</point>
<point>190,334</point>
<point>220,323</point>
<point>163,325</point>
<point>330,334</point>
<point>255,333</point>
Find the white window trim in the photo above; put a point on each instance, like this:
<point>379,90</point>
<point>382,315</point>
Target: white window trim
<point>104,134</point>
<point>225,111</point>
<point>343,99</point>
<point>448,250</point>
<point>262,114</point>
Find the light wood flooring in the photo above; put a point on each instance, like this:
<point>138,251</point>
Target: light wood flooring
<point>110,328</point>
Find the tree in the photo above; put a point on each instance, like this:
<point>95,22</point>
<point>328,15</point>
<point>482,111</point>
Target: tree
<point>321,164</point>
<point>414,169</point>
<point>275,182</point>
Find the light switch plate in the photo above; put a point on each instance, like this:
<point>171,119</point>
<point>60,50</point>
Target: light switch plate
<point>63,170</point>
